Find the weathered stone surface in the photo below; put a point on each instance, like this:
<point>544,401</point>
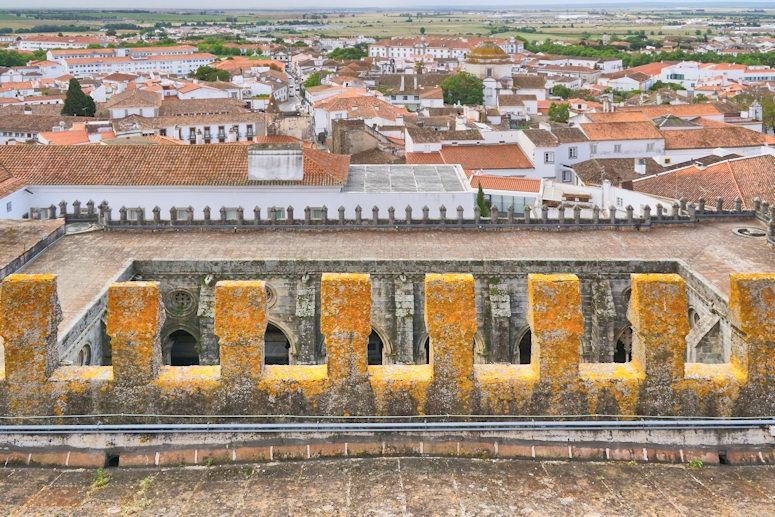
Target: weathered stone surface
<point>240,323</point>
<point>135,315</point>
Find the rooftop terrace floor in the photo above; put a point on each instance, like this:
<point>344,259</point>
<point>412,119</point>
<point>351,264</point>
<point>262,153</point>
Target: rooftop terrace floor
<point>396,487</point>
<point>85,263</point>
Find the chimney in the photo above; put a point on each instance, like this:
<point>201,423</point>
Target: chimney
<point>415,83</point>
<point>640,165</point>
<point>199,137</point>
<point>402,84</point>
<point>276,162</point>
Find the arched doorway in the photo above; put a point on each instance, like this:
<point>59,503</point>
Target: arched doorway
<point>276,346</point>
<point>524,347</point>
<point>183,349</point>
<point>374,352</point>
<point>623,350</point>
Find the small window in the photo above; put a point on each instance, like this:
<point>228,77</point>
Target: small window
<point>548,157</point>
<point>573,152</point>
<point>619,201</point>
<point>566,176</point>
<point>650,148</point>
<point>316,212</point>
<point>668,161</point>
<point>9,206</point>
<point>593,148</point>
<point>279,212</point>
<point>617,148</point>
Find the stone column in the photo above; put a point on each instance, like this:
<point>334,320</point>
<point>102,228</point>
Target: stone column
<point>29,315</point>
<point>450,317</point>
<point>240,323</point>
<point>658,313</point>
<point>305,317</point>
<point>135,315</point>
<point>500,314</point>
<point>404,299</point>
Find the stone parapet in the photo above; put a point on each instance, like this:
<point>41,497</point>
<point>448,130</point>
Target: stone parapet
<point>656,382</point>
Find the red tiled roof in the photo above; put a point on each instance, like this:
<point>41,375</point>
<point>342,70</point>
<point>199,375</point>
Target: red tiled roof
<point>621,131</point>
<point>726,136</point>
<point>508,183</point>
<point>189,165</point>
<point>746,178</point>
<point>507,156</point>
<point>424,159</point>
<point>9,185</point>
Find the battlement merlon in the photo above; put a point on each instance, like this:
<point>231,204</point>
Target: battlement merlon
<point>34,384</point>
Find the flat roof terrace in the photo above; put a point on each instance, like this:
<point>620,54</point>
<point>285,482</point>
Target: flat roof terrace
<point>86,263</point>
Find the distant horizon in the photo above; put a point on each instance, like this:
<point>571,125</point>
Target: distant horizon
<point>196,5</point>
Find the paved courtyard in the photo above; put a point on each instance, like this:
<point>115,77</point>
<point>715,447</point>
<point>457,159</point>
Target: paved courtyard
<point>86,263</point>
<point>395,487</point>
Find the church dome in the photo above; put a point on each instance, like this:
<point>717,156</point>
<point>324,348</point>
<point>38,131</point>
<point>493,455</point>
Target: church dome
<point>488,53</point>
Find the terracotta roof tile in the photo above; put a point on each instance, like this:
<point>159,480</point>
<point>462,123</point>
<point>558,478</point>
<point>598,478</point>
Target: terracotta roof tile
<point>507,183</point>
<point>726,136</point>
<point>424,159</point>
<point>159,165</point>
<point>621,131</point>
<point>471,157</point>
<point>747,178</point>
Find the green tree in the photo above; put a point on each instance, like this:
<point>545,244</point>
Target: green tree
<point>312,80</point>
<point>484,210</point>
<point>208,73</point>
<point>77,103</point>
<point>463,88</point>
<point>422,30</point>
<point>558,112</point>
<point>562,91</point>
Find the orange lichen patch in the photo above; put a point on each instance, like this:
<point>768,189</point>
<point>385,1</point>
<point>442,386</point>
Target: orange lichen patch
<point>724,372</point>
<point>2,352</point>
<point>719,381</point>
<point>345,321</point>
<point>29,315</point>
<point>659,315</point>
<point>134,318</point>
<point>311,380</point>
<point>505,388</point>
<point>752,303</point>
<point>240,323</point>
<point>557,325</point>
<point>610,372</point>
<point>180,380</point>
<point>752,310</point>
<point>395,381</point>
<point>621,380</point>
<point>450,317</point>
<point>83,374</point>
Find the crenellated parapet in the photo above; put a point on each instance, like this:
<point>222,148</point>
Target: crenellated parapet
<point>655,381</point>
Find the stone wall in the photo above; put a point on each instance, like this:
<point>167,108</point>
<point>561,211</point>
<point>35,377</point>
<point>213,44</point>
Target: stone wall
<point>657,381</point>
<point>397,308</point>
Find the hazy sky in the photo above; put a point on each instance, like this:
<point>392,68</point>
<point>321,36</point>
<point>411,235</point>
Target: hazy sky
<point>394,4</point>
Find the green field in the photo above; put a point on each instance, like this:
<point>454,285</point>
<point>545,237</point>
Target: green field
<point>533,25</point>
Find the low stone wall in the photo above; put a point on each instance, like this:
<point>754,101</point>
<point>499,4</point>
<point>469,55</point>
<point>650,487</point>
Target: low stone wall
<point>656,382</point>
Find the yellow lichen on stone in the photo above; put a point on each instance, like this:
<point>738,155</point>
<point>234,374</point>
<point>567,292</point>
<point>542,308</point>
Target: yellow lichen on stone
<point>752,311</point>
<point>622,380</point>
<point>393,382</point>
<point>557,326</point>
<point>279,381</point>
<point>240,323</point>
<point>83,375</point>
<point>658,313</point>
<point>135,315</point>
<point>345,322</point>
<point>450,317</point>
<point>505,388</point>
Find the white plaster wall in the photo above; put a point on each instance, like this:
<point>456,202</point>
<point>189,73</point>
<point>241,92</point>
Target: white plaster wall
<point>19,201</point>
